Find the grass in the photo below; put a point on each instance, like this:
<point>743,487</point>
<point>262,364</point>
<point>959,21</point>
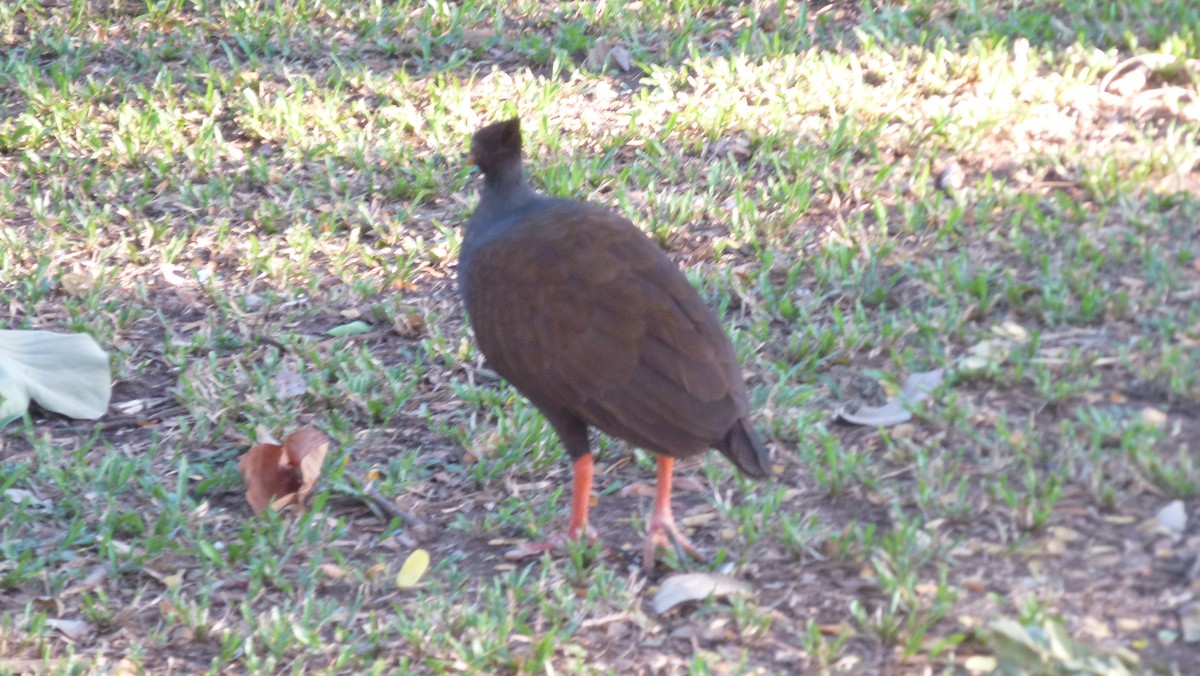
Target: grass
<point>861,191</point>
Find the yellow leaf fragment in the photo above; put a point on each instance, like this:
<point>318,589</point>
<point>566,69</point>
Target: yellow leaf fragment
<point>414,567</point>
<point>980,664</point>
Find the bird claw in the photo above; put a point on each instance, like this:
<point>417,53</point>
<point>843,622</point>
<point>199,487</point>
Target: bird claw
<point>529,550</point>
<point>658,535</point>
<point>557,543</point>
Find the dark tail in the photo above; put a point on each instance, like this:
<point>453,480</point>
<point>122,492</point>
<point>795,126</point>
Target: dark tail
<point>746,450</point>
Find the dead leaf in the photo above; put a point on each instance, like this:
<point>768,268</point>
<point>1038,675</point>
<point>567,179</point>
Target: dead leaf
<point>598,56</point>
<point>620,56</point>
<point>246,78</point>
<point>737,145</point>
<point>135,406</point>
<point>411,325</point>
<point>679,589</point>
<point>950,178</point>
<point>897,409</point>
<point>77,284</point>
<point>264,435</point>
<point>288,384</point>
<point>1129,625</point>
<point>280,475</point>
<point>478,37</point>
<point>1065,534</point>
<point>333,571</point>
<point>525,550</point>
<point>306,448</point>
<point>94,578</point>
<point>1012,331</point>
<point>72,629</point>
<point>693,520</point>
<point>267,473</point>
<point>19,496</point>
<point>1154,417</point>
<point>66,373</point>
<point>47,603</point>
<point>1047,648</point>
<point>1189,621</point>
<point>768,18</point>
<point>1129,84</point>
<point>639,489</point>
<point>1172,518</point>
<point>995,351</point>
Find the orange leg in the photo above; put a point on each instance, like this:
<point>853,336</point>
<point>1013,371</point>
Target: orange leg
<point>578,527</point>
<point>662,522</point>
<point>581,498</point>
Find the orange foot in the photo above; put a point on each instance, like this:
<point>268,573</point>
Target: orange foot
<point>660,532</point>
<point>662,521</point>
<point>558,543</point>
<point>577,528</point>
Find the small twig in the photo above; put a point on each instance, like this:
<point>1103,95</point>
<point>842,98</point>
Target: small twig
<point>141,419</point>
<point>607,619</point>
<point>390,508</point>
<point>377,503</point>
<point>261,338</point>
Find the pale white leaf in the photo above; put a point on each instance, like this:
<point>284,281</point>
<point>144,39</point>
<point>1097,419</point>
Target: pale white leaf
<point>602,51</point>
<point>72,629</point>
<point>95,578</point>
<point>1012,331</point>
<point>898,409</point>
<point>21,496</point>
<point>289,384</point>
<point>686,587</point>
<point>598,54</point>
<point>63,372</point>
<point>1172,517</point>
<point>973,363</point>
<point>620,56</point>
<point>1189,621</point>
<point>135,406</point>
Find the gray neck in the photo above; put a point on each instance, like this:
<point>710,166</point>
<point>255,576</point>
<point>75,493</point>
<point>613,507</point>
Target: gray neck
<point>504,190</point>
<point>504,193</point>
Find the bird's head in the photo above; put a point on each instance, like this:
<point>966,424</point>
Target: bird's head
<point>497,147</point>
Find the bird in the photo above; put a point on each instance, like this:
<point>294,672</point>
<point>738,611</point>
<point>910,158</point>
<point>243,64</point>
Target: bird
<point>591,321</point>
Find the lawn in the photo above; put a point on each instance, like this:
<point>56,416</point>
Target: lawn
<point>1006,191</point>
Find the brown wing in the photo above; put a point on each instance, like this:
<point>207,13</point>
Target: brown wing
<point>587,318</point>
